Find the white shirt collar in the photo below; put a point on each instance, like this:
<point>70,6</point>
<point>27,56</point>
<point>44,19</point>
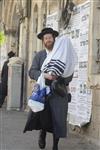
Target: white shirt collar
<point>47,51</point>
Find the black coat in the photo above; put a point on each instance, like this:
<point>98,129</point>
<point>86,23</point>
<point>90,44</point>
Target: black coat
<point>39,120</point>
<point>4,73</point>
<point>4,82</point>
<point>38,60</point>
<point>54,117</point>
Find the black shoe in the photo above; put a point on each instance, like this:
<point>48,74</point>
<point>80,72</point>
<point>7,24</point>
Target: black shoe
<point>55,147</point>
<point>55,143</point>
<point>42,138</point>
<point>69,97</point>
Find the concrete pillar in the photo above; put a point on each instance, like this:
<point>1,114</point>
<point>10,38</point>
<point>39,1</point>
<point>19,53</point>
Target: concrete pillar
<point>23,53</point>
<point>23,41</point>
<point>40,26</point>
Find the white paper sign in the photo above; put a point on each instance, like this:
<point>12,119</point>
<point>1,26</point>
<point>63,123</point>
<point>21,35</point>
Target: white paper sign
<point>81,105</point>
<point>52,21</point>
<point>77,30</point>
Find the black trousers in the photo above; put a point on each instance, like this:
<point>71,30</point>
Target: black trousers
<point>3,92</point>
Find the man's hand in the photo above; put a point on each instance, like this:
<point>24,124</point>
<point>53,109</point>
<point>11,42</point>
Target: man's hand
<point>50,77</point>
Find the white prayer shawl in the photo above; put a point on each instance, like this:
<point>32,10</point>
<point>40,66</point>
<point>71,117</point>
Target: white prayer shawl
<point>60,61</point>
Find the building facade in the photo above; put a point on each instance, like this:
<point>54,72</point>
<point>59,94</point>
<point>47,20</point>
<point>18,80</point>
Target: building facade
<point>21,20</point>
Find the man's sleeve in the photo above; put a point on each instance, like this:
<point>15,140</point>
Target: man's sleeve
<point>35,71</point>
<point>2,72</point>
<point>4,69</point>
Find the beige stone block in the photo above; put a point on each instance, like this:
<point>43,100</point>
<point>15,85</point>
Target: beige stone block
<point>91,130</point>
<point>96,115</point>
<point>99,133</point>
<point>95,132</point>
<point>96,97</point>
<point>79,1</point>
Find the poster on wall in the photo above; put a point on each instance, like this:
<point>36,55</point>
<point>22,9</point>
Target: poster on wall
<point>77,30</point>
<point>79,36</point>
<point>52,21</point>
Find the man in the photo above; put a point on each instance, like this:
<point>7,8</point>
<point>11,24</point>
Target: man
<point>48,42</point>
<point>48,36</point>
<point>4,79</point>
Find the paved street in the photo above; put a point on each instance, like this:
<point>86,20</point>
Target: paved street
<point>12,137</point>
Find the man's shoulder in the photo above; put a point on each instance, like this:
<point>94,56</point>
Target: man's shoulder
<point>6,62</point>
<point>41,52</point>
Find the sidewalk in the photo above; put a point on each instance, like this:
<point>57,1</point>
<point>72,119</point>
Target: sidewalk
<point>12,138</point>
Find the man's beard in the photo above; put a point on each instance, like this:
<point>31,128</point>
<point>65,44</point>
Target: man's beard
<point>49,47</point>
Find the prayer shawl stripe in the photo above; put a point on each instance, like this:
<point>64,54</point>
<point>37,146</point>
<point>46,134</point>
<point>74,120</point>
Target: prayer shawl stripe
<point>55,61</point>
<point>55,70</point>
<point>59,62</point>
<point>55,65</point>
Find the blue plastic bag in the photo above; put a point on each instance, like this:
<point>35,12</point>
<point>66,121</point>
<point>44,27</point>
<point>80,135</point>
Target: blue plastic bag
<point>37,99</point>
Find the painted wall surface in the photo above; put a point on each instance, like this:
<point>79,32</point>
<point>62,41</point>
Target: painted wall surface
<point>21,38</point>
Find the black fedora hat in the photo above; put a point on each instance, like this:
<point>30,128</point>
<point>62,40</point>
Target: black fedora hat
<point>47,31</point>
<point>11,54</point>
